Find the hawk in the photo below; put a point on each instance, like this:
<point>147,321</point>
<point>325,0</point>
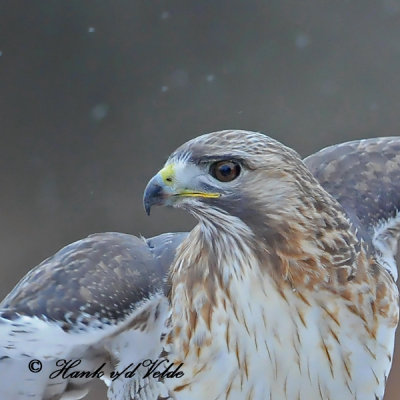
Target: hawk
<point>285,289</point>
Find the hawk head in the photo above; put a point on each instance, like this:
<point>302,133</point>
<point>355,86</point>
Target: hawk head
<point>245,175</point>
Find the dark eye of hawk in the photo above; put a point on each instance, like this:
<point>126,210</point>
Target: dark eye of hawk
<point>225,171</point>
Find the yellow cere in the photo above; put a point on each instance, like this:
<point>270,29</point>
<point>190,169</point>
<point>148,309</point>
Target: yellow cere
<point>168,174</point>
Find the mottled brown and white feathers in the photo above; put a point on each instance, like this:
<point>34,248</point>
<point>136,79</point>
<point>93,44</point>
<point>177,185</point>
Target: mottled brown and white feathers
<point>364,176</point>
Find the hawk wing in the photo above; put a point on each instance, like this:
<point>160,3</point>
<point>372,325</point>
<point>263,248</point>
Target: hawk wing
<point>99,300</point>
<point>364,176</point>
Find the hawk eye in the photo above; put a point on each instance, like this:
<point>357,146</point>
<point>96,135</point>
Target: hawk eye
<point>225,171</point>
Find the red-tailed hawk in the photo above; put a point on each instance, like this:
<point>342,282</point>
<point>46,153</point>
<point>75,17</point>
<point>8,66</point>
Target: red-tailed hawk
<point>285,289</point>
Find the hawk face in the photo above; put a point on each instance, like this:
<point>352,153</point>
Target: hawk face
<point>241,174</point>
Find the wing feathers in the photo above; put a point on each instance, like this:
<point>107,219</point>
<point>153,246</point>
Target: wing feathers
<point>98,300</point>
<point>364,176</point>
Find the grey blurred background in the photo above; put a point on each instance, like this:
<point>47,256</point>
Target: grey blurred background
<point>94,95</point>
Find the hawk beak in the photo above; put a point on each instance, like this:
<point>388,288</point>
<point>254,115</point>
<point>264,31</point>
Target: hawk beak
<point>155,193</point>
<point>162,190</point>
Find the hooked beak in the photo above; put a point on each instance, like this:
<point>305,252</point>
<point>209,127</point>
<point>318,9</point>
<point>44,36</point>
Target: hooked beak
<point>155,193</point>
<point>163,190</point>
